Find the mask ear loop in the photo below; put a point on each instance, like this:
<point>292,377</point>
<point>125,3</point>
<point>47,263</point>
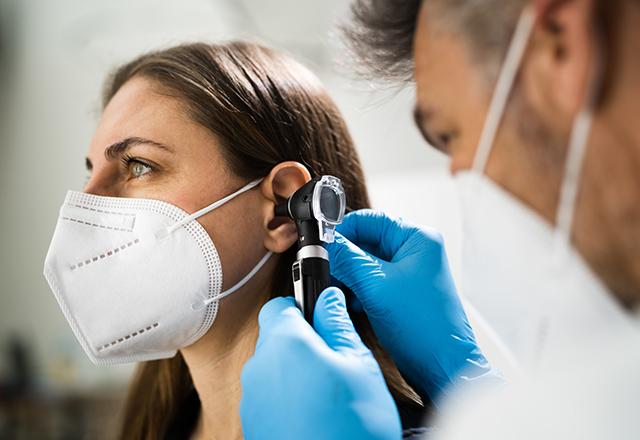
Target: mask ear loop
<point>235,287</point>
<point>207,209</point>
<point>576,152</point>
<point>504,85</point>
<point>573,168</point>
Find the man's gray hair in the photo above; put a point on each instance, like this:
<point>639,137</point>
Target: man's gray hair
<point>381,32</point>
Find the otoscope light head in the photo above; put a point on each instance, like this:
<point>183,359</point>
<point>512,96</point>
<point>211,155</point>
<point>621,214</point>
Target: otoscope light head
<point>328,204</point>
<point>317,206</point>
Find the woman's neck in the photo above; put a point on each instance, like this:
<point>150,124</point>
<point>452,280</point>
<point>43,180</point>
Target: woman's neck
<point>216,360</point>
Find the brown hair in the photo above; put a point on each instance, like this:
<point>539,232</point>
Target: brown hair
<point>264,108</point>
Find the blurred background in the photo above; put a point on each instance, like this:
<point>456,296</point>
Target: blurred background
<point>54,57</point>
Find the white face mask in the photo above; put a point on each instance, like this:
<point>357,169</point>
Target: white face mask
<point>521,273</point>
<point>137,279</point>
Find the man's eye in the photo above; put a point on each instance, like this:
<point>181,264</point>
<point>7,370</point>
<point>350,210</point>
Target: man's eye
<point>139,169</point>
<point>444,139</point>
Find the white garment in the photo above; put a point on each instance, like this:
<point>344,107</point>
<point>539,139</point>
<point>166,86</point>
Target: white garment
<point>137,279</point>
<point>535,298</point>
<point>546,304</point>
<point>518,271</point>
<point>593,393</point>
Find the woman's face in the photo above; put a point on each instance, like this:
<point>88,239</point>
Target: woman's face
<point>146,146</point>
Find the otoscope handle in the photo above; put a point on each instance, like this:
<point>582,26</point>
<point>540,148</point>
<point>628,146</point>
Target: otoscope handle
<point>310,278</point>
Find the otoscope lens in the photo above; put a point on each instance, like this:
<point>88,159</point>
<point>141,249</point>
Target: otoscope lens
<point>330,204</point>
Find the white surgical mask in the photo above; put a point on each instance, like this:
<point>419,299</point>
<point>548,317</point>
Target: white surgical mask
<point>137,279</point>
<point>521,273</point>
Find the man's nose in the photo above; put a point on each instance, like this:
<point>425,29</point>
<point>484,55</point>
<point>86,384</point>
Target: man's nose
<point>461,161</point>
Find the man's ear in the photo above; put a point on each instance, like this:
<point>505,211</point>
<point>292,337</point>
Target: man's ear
<point>283,180</point>
<point>556,71</point>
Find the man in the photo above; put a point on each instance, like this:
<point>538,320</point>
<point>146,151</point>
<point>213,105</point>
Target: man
<point>535,103</point>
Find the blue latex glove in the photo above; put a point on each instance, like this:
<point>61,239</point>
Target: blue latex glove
<point>404,285</point>
<point>300,384</point>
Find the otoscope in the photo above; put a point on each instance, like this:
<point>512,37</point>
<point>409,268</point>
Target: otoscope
<point>316,208</point>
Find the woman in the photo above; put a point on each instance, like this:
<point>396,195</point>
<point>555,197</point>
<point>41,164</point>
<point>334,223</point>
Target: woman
<point>190,125</point>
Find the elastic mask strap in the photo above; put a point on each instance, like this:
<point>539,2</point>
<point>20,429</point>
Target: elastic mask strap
<point>208,209</point>
<point>235,287</point>
<point>503,89</point>
<point>576,152</point>
<point>573,168</point>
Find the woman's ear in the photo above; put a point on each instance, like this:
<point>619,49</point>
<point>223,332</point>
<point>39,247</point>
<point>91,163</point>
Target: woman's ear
<point>283,180</point>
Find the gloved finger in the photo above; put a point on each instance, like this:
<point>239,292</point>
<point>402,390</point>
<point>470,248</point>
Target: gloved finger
<point>282,305</point>
<point>382,235</point>
<point>371,249</point>
<point>353,303</point>
<point>334,282</point>
<point>280,311</point>
<point>353,266</point>
<point>333,324</point>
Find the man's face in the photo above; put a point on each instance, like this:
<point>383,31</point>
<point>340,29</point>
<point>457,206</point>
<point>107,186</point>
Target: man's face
<point>451,97</point>
<point>528,155</point>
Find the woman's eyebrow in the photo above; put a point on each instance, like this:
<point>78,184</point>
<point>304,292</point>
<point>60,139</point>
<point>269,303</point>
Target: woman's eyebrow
<point>115,150</point>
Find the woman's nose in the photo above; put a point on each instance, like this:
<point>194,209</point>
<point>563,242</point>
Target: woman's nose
<point>100,187</point>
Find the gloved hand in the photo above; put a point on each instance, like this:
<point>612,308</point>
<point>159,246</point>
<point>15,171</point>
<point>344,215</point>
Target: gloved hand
<point>300,384</point>
<point>403,282</point>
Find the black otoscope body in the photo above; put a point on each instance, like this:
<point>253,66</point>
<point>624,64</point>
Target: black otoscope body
<point>316,208</point>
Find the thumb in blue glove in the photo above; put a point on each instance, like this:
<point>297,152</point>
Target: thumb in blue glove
<point>324,385</point>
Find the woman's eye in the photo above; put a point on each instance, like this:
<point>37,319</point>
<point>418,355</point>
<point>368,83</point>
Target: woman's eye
<point>139,169</point>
